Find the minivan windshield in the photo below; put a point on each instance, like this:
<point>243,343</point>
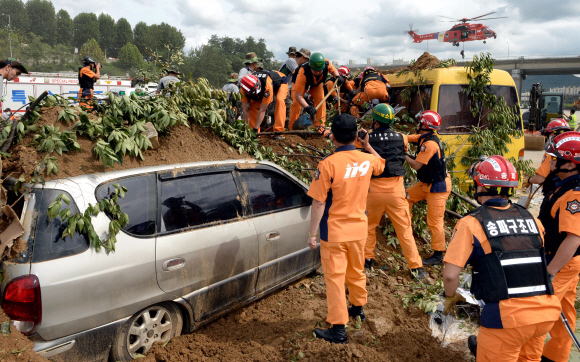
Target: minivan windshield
<point>454,107</point>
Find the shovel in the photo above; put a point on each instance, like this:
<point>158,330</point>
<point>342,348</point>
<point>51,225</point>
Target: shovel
<point>304,120</point>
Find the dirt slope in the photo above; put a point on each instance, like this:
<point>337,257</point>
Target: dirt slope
<point>14,346</point>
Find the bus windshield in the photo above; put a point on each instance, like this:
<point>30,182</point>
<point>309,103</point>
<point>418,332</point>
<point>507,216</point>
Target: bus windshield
<point>454,107</point>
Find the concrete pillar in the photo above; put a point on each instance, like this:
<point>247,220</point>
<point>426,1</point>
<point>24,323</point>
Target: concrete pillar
<point>518,75</point>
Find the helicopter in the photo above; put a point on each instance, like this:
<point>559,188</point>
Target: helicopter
<point>461,32</point>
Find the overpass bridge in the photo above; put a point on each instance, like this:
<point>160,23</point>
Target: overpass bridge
<point>520,67</point>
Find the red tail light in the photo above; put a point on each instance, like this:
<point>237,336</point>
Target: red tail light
<point>22,302</point>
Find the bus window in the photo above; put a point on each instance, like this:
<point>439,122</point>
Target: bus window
<point>411,100</point>
<point>454,107</point>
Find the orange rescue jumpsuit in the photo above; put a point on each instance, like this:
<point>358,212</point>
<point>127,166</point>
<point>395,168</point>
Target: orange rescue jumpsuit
<point>435,194</point>
<point>544,168</point>
<point>317,94</point>
<point>87,77</point>
<point>557,349</point>
<point>387,195</point>
<point>341,181</point>
<point>374,89</point>
<point>510,329</point>
<point>268,97</point>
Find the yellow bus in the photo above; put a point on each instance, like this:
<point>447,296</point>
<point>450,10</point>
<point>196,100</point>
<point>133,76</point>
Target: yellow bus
<point>442,90</point>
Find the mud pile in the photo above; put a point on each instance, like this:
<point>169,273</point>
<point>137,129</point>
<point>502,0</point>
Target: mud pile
<point>279,327</point>
<point>14,346</point>
<point>425,61</point>
<point>181,145</point>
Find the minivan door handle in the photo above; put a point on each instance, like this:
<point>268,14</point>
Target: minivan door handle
<point>273,235</point>
<point>173,264</point>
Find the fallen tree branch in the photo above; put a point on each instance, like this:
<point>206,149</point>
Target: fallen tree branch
<point>453,213</point>
<point>22,119</point>
<point>313,149</point>
<point>299,154</point>
<point>464,199</point>
<point>306,133</point>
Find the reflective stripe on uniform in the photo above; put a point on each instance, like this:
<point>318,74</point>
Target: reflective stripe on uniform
<point>533,289</point>
<point>521,261</point>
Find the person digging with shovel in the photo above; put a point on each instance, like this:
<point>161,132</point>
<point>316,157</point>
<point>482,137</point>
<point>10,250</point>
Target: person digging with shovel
<point>310,77</point>
<point>504,244</point>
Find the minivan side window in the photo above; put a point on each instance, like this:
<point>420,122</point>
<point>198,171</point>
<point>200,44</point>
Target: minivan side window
<point>199,199</point>
<point>271,191</point>
<point>139,203</point>
<point>48,243</point>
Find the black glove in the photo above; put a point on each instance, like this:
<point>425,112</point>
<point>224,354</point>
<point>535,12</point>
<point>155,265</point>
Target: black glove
<point>339,80</point>
<point>311,111</point>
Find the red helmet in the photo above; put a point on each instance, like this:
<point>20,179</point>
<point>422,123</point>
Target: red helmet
<point>251,84</point>
<point>565,146</point>
<point>429,119</point>
<point>343,71</point>
<point>556,125</point>
<point>494,171</point>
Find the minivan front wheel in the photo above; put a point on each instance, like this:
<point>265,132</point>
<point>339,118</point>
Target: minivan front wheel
<point>157,323</point>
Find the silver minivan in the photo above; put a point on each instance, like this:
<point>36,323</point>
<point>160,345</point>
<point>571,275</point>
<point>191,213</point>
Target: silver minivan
<point>202,240</point>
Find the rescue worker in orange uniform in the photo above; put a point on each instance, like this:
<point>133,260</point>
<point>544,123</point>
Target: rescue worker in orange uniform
<point>258,92</point>
<point>434,184</point>
<point>387,191</point>
<point>88,75</point>
<point>560,214</point>
<point>503,243</point>
<point>543,176</point>
<point>339,191</point>
<point>345,91</point>
<point>373,85</point>
<point>310,77</point>
<point>302,56</point>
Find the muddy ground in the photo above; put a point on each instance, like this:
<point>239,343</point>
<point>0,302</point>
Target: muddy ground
<point>279,327</point>
<point>14,346</point>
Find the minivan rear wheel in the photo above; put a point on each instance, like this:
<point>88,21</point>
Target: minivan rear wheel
<point>157,323</point>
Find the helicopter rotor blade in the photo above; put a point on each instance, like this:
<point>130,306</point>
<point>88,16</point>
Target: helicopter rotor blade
<point>499,17</point>
<point>449,18</point>
<point>481,16</point>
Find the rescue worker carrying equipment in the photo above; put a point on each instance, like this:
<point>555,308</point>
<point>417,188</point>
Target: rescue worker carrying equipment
<point>387,190</point>
<point>89,73</point>
<point>503,243</point>
<point>372,86</point>
<point>345,92</point>
<point>434,184</point>
<point>258,92</point>
<point>560,215</point>
<point>543,175</point>
<point>310,77</point>
<point>339,191</point>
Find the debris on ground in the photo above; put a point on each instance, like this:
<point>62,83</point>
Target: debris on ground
<point>14,346</point>
<point>425,61</point>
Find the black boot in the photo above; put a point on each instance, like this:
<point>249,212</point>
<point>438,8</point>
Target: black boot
<point>545,359</point>
<point>335,334</point>
<point>355,311</point>
<point>472,345</point>
<point>435,259</point>
<point>419,273</point>
<point>369,263</point>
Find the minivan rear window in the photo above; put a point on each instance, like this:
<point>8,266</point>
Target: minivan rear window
<point>139,203</point>
<point>48,244</point>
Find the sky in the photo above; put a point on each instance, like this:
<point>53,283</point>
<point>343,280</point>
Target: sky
<point>357,30</point>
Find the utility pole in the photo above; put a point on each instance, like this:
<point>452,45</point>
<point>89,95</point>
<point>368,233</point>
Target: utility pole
<point>508,43</point>
<point>9,33</point>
